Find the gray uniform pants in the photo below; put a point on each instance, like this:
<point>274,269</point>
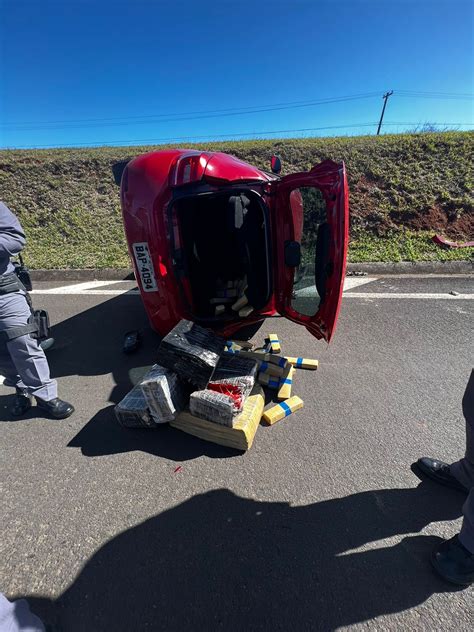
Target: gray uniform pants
<point>22,361</point>
<point>463,470</point>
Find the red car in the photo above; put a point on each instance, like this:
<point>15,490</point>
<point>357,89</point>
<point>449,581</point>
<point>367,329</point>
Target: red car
<point>205,228</point>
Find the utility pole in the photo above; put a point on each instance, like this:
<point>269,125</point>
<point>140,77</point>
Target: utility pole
<point>385,98</point>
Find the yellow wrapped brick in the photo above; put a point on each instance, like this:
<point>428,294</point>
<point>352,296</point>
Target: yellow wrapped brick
<point>271,381</point>
<point>243,344</point>
<point>261,356</point>
<point>282,410</point>
<point>274,343</point>
<point>242,433</point>
<point>286,382</point>
<point>245,311</point>
<point>270,368</point>
<point>303,363</point>
<point>239,303</point>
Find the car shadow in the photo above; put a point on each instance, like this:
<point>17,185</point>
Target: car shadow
<point>90,344</point>
<point>222,562</point>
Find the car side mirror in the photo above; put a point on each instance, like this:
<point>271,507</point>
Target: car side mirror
<point>276,164</point>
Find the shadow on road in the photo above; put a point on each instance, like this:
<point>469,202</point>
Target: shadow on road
<point>222,562</point>
<point>102,435</point>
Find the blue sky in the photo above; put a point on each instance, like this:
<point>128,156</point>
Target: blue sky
<point>80,72</point>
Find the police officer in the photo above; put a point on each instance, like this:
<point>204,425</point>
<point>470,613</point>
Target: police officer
<point>23,363</point>
<point>454,558</point>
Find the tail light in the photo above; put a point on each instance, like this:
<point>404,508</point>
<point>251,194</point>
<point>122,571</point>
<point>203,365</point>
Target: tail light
<point>188,168</point>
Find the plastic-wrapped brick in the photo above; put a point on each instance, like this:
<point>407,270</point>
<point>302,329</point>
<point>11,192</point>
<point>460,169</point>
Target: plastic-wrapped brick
<point>133,411</point>
<point>192,352</point>
<point>165,394</point>
<point>230,366</point>
<point>222,400</point>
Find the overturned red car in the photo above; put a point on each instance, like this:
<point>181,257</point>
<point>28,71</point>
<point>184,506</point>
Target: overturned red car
<point>218,241</point>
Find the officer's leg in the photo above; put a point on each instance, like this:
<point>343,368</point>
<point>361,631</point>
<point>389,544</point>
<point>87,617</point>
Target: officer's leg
<point>27,357</point>
<point>7,368</point>
<point>32,367</point>
<point>467,531</point>
<point>463,470</point>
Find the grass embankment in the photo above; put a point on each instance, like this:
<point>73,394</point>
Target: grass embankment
<point>403,189</point>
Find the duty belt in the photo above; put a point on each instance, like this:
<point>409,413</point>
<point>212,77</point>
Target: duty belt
<point>9,283</point>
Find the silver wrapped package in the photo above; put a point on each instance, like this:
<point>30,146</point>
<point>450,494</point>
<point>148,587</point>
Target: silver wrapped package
<point>165,394</point>
<point>132,411</point>
<point>220,407</point>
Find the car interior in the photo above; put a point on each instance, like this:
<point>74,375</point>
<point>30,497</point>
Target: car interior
<point>225,245</point>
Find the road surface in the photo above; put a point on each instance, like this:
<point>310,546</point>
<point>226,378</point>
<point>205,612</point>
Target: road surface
<point>321,526</point>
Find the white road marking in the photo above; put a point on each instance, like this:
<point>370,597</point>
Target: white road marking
<point>125,287</point>
<point>88,292</point>
<point>414,295</point>
<point>350,282</point>
<point>77,288</point>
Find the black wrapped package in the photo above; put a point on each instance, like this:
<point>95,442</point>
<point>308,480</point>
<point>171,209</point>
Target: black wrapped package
<point>233,366</point>
<point>192,352</point>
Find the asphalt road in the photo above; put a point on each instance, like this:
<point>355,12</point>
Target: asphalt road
<point>322,525</point>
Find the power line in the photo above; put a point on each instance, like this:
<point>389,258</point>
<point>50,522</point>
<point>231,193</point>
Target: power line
<point>203,114</point>
<point>230,135</point>
<point>185,116</point>
<point>434,95</point>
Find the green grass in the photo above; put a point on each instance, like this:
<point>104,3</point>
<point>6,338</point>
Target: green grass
<point>403,246</point>
<point>403,188</point>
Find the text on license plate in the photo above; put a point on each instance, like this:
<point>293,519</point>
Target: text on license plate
<point>145,266</point>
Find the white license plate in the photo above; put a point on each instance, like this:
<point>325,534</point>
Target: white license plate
<point>145,266</point>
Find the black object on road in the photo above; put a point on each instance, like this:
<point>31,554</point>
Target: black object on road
<point>131,341</point>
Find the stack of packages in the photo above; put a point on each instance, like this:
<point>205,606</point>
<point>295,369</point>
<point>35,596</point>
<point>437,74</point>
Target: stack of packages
<point>187,358</point>
<point>157,399</point>
<point>230,297</point>
<point>274,372</point>
<point>229,410</point>
<point>213,389</point>
<point>192,371</point>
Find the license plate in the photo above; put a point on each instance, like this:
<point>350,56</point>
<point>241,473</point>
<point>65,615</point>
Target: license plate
<point>145,267</point>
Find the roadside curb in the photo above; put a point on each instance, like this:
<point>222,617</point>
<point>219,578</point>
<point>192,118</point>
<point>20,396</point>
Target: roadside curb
<point>379,268</point>
<point>90,274</point>
<point>413,267</point>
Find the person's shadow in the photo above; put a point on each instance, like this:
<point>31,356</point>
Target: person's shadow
<point>222,562</point>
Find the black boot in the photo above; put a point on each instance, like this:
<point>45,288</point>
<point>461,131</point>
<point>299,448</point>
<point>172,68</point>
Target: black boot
<point>56,408</point>
<point>439,471</point>
<point>21,404</point>
<point>454,562</point>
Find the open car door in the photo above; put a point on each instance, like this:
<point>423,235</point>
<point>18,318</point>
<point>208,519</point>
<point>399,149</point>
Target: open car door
<point>310,238</point>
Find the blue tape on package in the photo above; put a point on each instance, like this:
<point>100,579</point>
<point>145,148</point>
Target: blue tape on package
<point>287,381</point>
<point>282,362</point>
<point>273,384</point>
<point>286,408</point>
<point>299,361</point>
<point>264,366</point>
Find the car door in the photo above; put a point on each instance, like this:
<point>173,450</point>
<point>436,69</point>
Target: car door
<point>310,217</point>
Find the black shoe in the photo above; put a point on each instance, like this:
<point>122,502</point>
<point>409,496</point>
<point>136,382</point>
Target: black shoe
<point>131,341</point>
<point>22,403</point>
<point>454,562</point>
<point>439,472</point>
<point>57,408</point>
